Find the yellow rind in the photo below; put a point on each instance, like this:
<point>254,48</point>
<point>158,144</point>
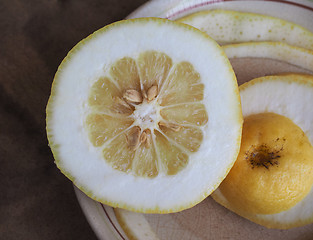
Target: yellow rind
<point>134,225</point>
<point>305,42</point>
<point>49,113</point>
<point>303,79</point>
<point>131,235</point>
<point>217,196</point>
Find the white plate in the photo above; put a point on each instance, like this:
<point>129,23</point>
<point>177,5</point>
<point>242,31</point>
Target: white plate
<point>207,220</point>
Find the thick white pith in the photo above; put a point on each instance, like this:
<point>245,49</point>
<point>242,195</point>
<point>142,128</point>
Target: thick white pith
<point>84,163</point>
<point>147,115</point>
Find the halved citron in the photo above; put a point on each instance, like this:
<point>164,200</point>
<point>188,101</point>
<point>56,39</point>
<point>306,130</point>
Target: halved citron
<point>226,26</point>
<point>145,115</point>
<point>271,182</point>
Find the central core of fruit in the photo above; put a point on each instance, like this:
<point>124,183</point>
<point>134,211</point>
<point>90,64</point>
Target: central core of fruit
<point>264,156</point>
<point>274,168</point>
<point>146,115</point>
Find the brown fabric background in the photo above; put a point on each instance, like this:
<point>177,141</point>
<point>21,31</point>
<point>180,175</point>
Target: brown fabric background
<point>36,200</point>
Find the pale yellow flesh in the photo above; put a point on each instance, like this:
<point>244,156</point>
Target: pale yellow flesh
<point>284,58</point>
<point>116,117</point>
<point>172,92</point>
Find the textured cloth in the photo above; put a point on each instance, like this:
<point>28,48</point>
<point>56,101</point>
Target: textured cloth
<point>36,200</point>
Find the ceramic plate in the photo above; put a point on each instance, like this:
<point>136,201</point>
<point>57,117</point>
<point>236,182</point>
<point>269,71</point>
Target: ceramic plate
<point>208,220</point>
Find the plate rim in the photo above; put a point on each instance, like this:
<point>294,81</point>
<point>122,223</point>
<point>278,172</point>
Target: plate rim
<point>94,211</point>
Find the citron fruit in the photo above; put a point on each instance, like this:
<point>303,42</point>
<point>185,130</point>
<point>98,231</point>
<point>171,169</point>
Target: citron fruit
<point>145,115</point>
<point>132,222</point>
<point>226,26</point>
<point>271,181</point>
<point>297,56</point>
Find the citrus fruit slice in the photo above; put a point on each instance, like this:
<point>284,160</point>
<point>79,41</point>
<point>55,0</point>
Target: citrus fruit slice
<point>271,181</point>
<point>227,26</point>
<point>255,59</point>
<point>300,57</point>
<point>258,58</point>
<point>145,115</point>
<point>135,225</point>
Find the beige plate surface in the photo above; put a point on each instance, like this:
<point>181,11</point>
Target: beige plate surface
<point>208,220</point>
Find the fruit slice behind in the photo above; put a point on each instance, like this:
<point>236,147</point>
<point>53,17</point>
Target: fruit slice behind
<point>254,59</point>
<point>273,171</point>
<point>288,95</point>
<point>227,26</point>
<point>297,56</point>
<point>135,225</point>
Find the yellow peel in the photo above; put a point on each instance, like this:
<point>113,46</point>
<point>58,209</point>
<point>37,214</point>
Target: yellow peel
<point>108,55</point>
<point>227,26</point>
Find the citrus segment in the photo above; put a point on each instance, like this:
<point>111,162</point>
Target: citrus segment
<point>153,68</point>
<point>146,162</point>
<point>188,137</point>
<point>101,96</point>
<point>173,158</point>
<point>189,113</point>
<point>102,127</point>
<point>130,151</point>
<point>125,73</point>
<point>183,85</point>
<point>118,154</point>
